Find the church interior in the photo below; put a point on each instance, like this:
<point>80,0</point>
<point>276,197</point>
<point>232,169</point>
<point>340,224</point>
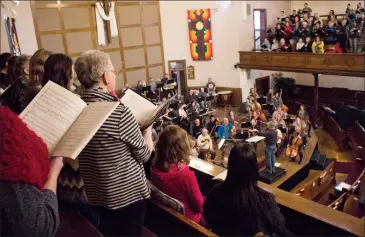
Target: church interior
<point>182,118</point>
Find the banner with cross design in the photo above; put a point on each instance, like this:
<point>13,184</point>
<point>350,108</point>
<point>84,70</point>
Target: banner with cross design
<point>200,34</point>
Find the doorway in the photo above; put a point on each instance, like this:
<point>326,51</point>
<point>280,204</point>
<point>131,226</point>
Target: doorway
<point>259,22</point>
<point>177,71</point>
<point>262,85</point>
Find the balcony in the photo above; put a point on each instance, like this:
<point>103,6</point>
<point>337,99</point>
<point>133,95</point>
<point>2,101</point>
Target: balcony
<point>332,64</point>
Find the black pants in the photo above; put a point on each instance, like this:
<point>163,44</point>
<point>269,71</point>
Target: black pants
<point>126,221</point>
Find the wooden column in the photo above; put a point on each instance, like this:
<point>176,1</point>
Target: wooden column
<point>315,100</point>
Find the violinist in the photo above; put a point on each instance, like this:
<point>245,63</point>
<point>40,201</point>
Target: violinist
<point>231,117</point>
<point>277,100</point>
<point>196,129</point>
<point>303,114</point>
<point>298,137</point>
<point>250,101</point>
<point>205,145</point>
<point>279,121</point>
<point>255,127</point>
<point>224,131</point>
<point>211,125</point>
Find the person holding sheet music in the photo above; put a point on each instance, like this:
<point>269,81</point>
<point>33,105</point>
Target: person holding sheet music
<point>115,191</point>
<point>28,199</point>
<point>224,131</point>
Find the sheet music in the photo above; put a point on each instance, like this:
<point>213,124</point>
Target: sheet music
<point>220,144</point>
<point>52,112</point>
<point>222,176</point>
<point>85,127</point>
<point>199,164</point>
<point>277,164</point>
<point>255,139</point>
<point>140,106</point>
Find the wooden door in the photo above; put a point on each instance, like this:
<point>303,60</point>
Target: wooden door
<point>262,85</point>
<point>260,25</point>
<point>177,71</point>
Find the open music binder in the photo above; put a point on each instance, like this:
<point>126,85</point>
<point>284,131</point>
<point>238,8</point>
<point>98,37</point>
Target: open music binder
<point>63,120</point>
<point>145,111</point>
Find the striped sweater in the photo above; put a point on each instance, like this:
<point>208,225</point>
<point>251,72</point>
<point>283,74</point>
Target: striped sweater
<point>111,164</point>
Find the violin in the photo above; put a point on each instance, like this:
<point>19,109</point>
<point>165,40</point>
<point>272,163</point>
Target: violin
<point>217,122</point>
<point>293,149</point>
<point>234,129</point>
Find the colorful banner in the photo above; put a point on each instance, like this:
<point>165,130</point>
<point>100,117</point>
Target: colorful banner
<point>200,34</point>
<point>12,36</point>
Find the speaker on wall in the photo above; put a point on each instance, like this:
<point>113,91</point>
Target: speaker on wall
<point>248,9</point>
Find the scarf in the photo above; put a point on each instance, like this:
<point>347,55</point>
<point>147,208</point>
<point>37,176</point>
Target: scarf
<point>100,16</point>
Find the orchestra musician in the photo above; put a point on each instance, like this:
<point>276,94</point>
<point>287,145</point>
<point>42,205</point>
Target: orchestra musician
<point>231,117</point>
<point>196,128</point>
<point>278,101</point>
<point>210,86</point>
<point>224,131</point>
<point>205,145</point>
<point>201,95</point>
<point>250,101</point>
<point>211,125</point>
<point>255,127</point>
<point>303,114</point>
<point>165,79</point>
<point>298,133</point>
<point>190,97</point>
<point>254,93</point>
<point>183,121</point>
<point>279,121</point>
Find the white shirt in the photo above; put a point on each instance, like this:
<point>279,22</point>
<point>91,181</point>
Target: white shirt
<point>205,142</point>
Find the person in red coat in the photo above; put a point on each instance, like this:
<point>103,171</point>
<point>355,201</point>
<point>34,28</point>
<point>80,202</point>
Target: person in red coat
<point>170,172</point>
<point>288,32</point>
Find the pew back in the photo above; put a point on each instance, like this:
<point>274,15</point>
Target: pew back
<point>332,127</point>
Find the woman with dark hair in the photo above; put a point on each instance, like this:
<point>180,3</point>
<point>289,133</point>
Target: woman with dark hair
<point>14,96</point>
<point>139,87</point>
<point>36,71</point>
<point>171,174</point>
<point>4,58</point>
<point>58,68</point>
<point>238,206</point>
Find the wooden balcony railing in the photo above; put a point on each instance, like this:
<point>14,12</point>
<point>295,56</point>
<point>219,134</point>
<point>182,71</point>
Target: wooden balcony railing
<point>333,64</point>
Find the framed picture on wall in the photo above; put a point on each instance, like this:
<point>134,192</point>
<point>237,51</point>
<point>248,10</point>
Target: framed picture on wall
<point>12,36</point>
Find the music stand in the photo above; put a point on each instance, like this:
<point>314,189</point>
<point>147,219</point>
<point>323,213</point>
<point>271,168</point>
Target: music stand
<point>262,100</point>
<point>282,130</point>
<point>245,125</point>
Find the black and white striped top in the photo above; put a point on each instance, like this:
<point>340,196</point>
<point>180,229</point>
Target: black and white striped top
<point>111,164</point>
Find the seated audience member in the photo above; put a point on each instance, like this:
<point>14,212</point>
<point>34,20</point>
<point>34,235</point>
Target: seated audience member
<point>190,97</point>
<point>300,45</point>
<point>292,45</point>
<point>330,14</point>
<point>283,46</point>
<point>275,45</point>
<point>279,32</point>
<point>305,30</point>
<point>28,177</point>
<point>139,87</point>
<point>224,131</point>
<point>316,19</point>
<point>343,32</point>
<point>171,174</point>
<point>202,93</point>
<point>205,145</point>
<point>15,95</point>
<point>196,129</point>
<point>211,125</point>
<point>292,16</point>
<point>348,8</point>
<point>126,86</point>
<point>302,135</point>
<point>317,30</point>
<point>238,206</point>
<point>296,31</point>
<point>153,86</point>
<point>307,46</point>
<point>288,32</point>
<point>210,86</point>
<point>307,9</point>
<point>4,58</point>
<point>307,19</point>
<point>36,71</point>
<point>196,107</point>
<point>266,46</point>
<point>351,15</point>
<point>354,34</point>
<point>331,34</point>
<point>165,79</point>
<point>332,21</point>
<point>119,141</point>
<point>318,46</point>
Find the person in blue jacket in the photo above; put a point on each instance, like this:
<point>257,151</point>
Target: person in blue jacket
<point>224,130</point>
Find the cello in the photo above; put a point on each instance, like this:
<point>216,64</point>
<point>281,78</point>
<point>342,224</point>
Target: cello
<point>293,149</point>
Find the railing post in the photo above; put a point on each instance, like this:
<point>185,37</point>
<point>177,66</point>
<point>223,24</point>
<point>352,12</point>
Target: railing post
<point>315,100</point>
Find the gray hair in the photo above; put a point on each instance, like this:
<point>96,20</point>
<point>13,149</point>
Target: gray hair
<point>91,66</point>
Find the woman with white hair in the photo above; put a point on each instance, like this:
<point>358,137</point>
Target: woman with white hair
<point>111,164</point>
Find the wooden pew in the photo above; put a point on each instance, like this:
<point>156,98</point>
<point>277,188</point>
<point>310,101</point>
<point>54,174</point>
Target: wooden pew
<point>165,221</point>
<point>72,223</point>
<point>356,134</point>
<point>313,188</point>
<point>332,127</point>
